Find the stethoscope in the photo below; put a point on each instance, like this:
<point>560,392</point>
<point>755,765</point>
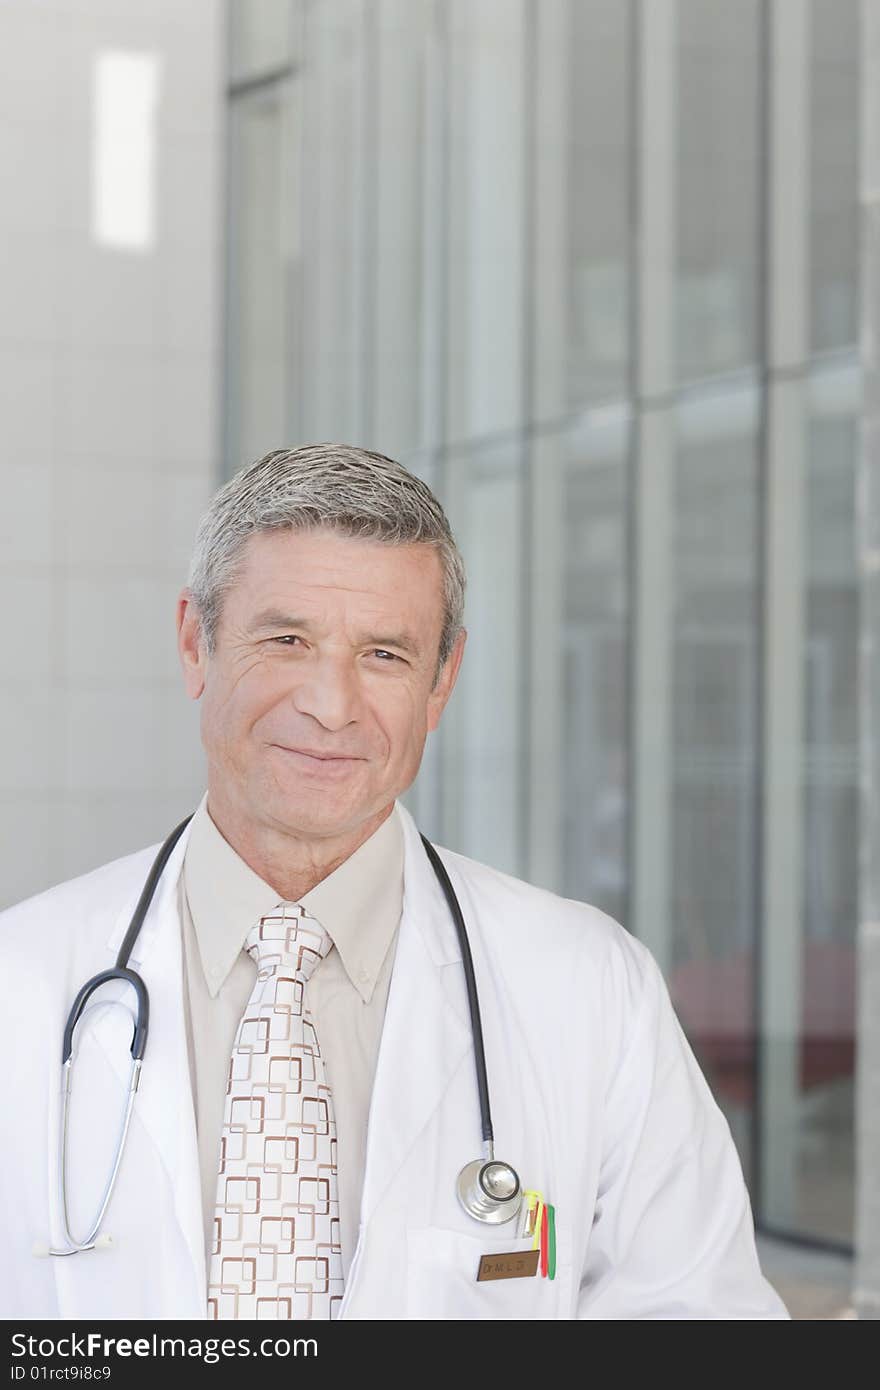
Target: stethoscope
<point>488,1189</point>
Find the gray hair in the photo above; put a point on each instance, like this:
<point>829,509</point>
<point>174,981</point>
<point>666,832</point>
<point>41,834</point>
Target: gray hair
<point>345,489</point>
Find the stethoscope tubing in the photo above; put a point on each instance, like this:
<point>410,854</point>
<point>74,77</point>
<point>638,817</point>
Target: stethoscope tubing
<point>147,892</point>
<point>122,971</point>
<point>473,1001</point>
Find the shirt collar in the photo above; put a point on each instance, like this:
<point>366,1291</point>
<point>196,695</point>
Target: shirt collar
<point>359,903</point>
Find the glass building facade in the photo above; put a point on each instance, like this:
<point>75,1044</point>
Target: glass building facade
<point>590,267</point>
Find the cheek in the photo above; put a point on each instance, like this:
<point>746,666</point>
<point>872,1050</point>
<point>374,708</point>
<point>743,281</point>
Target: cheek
<point>403,720</point>
<point>229,713</point>
<point>217,729</point>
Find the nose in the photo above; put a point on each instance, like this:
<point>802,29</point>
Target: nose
<point>328,691</point>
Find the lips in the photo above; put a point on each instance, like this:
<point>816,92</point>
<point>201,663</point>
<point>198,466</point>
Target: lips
<point>322,757</point>
<point>326,763</point>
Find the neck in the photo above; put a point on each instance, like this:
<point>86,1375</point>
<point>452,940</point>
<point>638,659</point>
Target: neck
<point>289,862</point>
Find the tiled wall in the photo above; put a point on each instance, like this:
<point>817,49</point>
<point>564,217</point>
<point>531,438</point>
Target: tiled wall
<point>109,395</point>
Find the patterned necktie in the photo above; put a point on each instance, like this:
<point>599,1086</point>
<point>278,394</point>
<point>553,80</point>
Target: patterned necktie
<point>276,1245</point>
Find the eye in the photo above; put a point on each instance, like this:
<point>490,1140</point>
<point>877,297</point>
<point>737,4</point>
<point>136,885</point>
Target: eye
<point>288,638</point>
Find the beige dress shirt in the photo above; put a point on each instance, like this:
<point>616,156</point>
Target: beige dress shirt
<point>359,904</point>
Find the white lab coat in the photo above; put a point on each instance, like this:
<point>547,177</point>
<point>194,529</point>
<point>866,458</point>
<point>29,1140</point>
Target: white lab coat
<point>596,1101</point>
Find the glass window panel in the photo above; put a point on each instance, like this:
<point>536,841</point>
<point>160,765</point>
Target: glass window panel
<point>834,154</point>
<point>263,269</point>
<point>337,171</point>
<point>825,1148</point>
<point>809,1050</point>
<point>581,147</point>
<point>595,778</point>
<point>713,901</point>
<point>262,35</point>
<point>718,192</point>
<point>593,651</point>
<point>406,189</point>
<point>483,759</point>
<point>599,158</point>
<point>486,224</point>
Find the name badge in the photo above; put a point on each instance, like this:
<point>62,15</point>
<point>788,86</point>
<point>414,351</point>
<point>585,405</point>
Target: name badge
<point>513,1264</point>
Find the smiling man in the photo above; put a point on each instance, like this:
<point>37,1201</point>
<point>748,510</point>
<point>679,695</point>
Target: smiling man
<point>311,1132</point>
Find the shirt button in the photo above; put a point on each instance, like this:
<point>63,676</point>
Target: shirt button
<point>364,976</point>
<point>215,972</point>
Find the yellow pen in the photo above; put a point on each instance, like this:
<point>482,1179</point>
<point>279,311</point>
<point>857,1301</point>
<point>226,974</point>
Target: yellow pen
<point>531,1197</point>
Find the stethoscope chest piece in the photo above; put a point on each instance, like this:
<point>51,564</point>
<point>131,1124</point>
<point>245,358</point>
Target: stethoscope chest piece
<point>489,1191</point>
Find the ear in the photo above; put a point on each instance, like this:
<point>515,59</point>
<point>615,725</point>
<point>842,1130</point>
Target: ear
<point>190,647</point>
<point>448,676</point>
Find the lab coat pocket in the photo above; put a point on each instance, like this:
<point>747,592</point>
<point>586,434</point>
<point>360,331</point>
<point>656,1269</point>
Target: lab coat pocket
<point>442,1279</point>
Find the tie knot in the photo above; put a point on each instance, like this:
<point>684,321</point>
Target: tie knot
<point>287,936</point>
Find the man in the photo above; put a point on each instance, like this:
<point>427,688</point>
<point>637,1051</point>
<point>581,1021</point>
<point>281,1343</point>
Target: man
<point>309,1092</point>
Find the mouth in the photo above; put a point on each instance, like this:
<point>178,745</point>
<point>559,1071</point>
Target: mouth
<point>328,763</point>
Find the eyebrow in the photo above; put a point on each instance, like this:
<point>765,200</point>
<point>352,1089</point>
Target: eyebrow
<point>273,618</point>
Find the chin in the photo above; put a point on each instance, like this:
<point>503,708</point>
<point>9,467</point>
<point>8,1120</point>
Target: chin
<point>307,807</point>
